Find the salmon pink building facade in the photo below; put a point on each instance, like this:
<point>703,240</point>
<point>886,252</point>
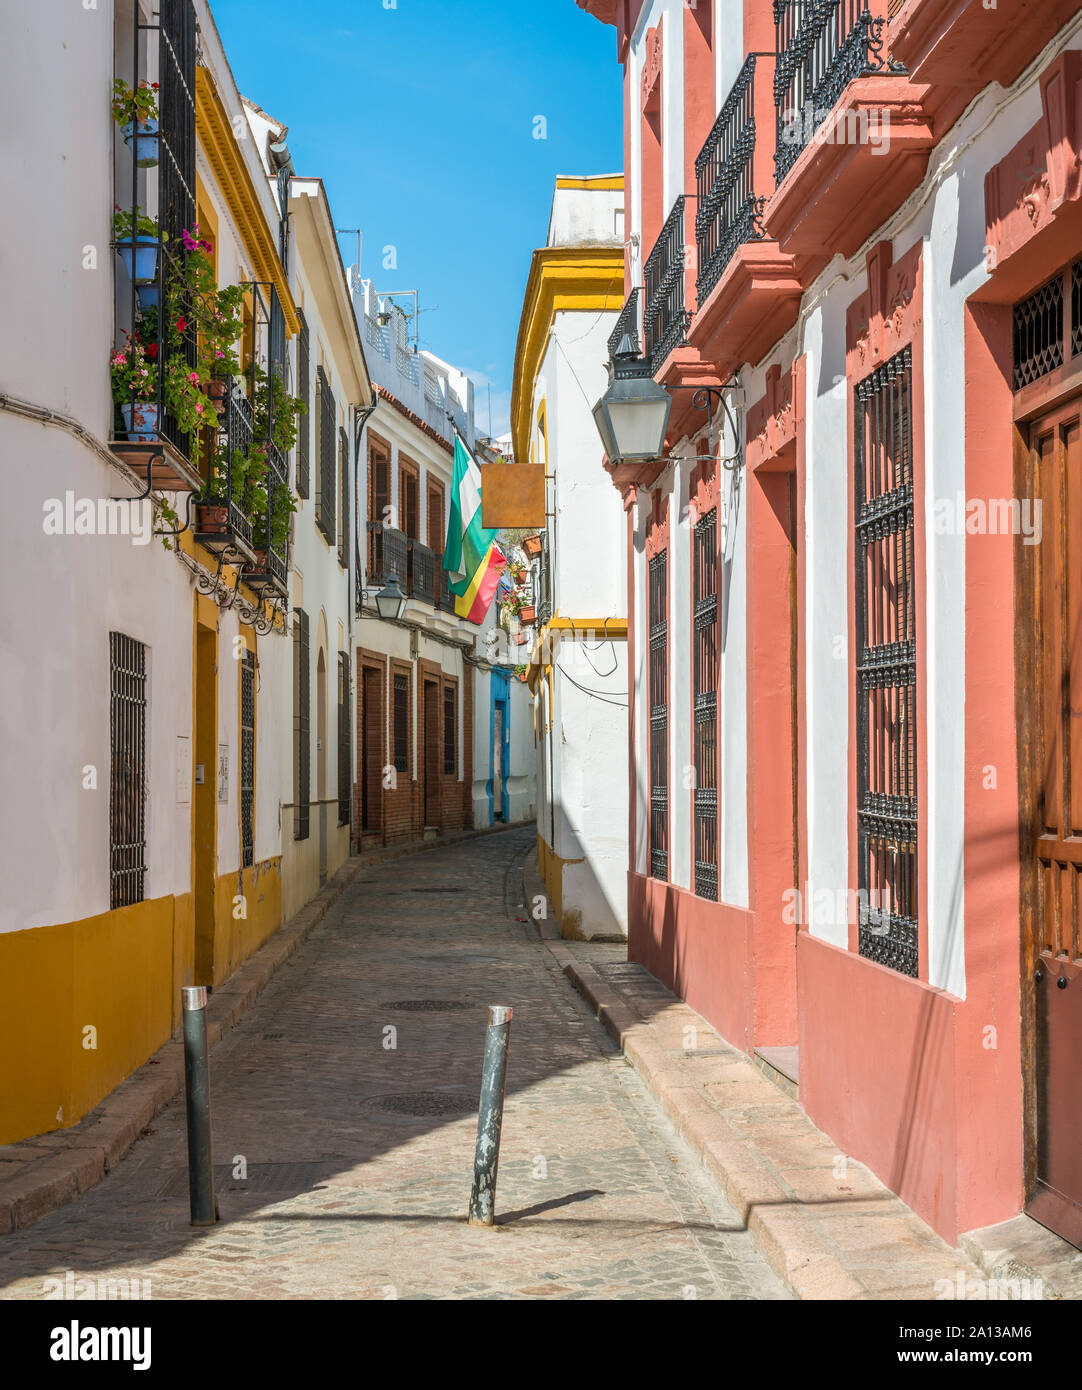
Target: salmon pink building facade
<point>854,259</point>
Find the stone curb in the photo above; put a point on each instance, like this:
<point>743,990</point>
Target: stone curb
<point>794,1250</point>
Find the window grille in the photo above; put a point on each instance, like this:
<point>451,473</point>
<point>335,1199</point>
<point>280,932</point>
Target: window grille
<point>343,509</point>
<point>705,656</point>
<point>283,212</point>
<point>659,717</point>
<point>1038,333</point>
<point>304,423</point>
<point>886,667</point>
<point>328,481</point>
<point>127,783</point>
<point>345,747</point>
<point>302,726</point>
<point>450,732</point>
<point>401,723</point>
<point>247,759</point>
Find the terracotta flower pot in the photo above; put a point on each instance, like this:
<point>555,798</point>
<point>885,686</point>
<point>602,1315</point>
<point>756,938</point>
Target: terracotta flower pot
<point>216,389</point>
<point>527,615</point>
<point>211,520</point>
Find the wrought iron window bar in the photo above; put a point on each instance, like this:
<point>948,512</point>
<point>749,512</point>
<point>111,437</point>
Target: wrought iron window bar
<point>887,815</point>
<point>1048,327</point>
<point>728,214</point>
<point>659,717</point>
<point>127,778</point>
<point>821,46</point>
<point>326,496</point>
<point>705,704</point>
<point>665,318</point>
<point>247,759</point>
<point>230,536</point>
<point>345,752</point>
<point>302,726</point>
<point>163,447</point>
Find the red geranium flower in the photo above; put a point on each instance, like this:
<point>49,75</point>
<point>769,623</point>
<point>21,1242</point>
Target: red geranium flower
<point>152,350</point>
<point>182,323</point>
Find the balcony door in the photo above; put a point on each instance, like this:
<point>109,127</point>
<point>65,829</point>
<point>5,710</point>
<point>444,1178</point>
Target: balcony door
<point>433,753</point>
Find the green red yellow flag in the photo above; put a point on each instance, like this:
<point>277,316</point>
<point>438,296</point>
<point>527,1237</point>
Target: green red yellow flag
<point>471,558</point>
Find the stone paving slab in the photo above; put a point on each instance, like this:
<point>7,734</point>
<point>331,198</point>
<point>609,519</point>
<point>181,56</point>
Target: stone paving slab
<point>344,1121</point>
<point>829,1228</point>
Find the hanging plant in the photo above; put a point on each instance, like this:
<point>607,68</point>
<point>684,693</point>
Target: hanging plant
<point>135,110</point>
<point>135,235</point>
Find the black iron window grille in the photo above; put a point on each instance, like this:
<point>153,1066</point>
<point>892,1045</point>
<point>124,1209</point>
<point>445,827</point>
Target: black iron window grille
<point>141,321</point>
<point>302,726</point>
<point>225,486</point>
<point>705,663</point>
<point>886,666</point>
<point>1038,332</point>
<point>304,424</point>
<point>327,413</point>
<point>284,176</point>
<point>345,745</point>
<point>659,716</point>
<point>450,732</point>
<point>128,770</point>
<point>1076,308</point>
<point>728,213</point>
<point>401,722</point>
<point>627,323</point>
<point>545,597</point>
<point>821,46</point>
<point>343,508</point>
<point>247,760</point>
<point>665,318</point>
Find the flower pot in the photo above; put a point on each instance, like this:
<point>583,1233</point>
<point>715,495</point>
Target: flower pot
<point>145,146</point>
<point>216,390</point>
<point>141,259</point>
<point>141,421</point>
<point>527,615</point>
<point>211,520</point>
<point>149,295</point>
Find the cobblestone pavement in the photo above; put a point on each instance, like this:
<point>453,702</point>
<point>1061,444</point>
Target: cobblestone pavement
<point>359,1154</point>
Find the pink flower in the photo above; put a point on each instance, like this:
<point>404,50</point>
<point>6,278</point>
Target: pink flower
<point>193,377</point>
<point>119,360</point>
<point>199,407</point>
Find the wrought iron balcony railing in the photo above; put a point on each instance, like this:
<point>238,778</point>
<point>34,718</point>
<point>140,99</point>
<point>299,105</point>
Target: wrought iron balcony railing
<point>628,323</point>
<point>665,319</point>
<point>388,553</point>
<point>729,214</point>
<point>422,572</point>
<point>226,488</point>
<point>822,46</point>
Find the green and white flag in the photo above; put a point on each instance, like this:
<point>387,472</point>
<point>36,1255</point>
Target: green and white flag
<point>468,541</point>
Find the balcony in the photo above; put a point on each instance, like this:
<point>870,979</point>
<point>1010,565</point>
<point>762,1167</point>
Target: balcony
<point>422,573</point>
<point>388,553</point>
<point>665,318</point>
<point>748,291</point>
<point>852,133</point>
<point>729,213</point>
<point>962,44</point>
<point>223,524</point>
<point>627,324</point>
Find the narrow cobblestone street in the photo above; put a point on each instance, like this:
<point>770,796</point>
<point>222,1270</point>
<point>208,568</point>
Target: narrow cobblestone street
<point>359,1155</point>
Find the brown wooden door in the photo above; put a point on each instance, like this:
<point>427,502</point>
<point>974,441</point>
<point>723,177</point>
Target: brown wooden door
<point>1052,881</point>
<point>371,750</point>
<point>432,754</point>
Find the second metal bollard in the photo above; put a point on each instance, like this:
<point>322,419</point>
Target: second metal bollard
<point>490,1117</point>
<point>197,1093</point>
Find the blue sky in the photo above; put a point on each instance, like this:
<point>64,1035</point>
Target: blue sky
<point>420,119</point>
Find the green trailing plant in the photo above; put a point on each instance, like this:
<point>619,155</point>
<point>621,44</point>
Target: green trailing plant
<point>276,411</point>
<point>134,105</point>
<point>133,372</point>
<point>127,224</point>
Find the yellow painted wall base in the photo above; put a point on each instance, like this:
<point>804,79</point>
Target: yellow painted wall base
<point>551,868</point>
<point>247,912</point>
<point>85,1004</point>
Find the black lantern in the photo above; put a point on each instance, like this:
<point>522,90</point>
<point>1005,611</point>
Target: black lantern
<point>633,414</point>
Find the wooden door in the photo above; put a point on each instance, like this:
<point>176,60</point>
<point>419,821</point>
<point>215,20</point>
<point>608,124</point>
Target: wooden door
<point>1051,878</point>
<point>432,753</point>
<point>371,750</point>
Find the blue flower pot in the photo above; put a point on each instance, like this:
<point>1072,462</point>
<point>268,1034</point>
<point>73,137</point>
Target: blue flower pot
<point>141,261</point>
<point>145,147</point>
<point>149,296</point>
<point>140,421</point>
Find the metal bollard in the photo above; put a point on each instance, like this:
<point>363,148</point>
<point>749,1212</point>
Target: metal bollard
<point>490,1116</point>
<point>197,1093</point>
